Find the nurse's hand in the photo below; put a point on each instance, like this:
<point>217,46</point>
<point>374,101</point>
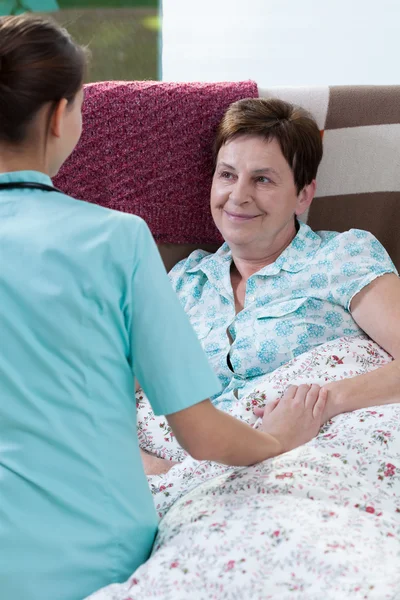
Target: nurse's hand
<point>154,465</point>
<point>297,417</point>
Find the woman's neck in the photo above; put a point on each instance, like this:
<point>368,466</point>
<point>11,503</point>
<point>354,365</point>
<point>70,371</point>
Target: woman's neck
<point>245,263</point>
<point>21,159</point>
<point>246,267</point>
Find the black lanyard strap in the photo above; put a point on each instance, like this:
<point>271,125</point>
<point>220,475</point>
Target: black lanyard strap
<point>29,185</point>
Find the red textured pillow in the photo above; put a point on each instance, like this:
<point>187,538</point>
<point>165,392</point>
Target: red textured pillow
<point>146,149</point>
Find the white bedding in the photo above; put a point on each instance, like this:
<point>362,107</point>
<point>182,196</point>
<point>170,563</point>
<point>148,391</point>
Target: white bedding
<point>319,522</point>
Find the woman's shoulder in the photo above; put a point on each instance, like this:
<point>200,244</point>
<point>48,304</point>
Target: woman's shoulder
<point>191,272</point>
<point>119,227</point>
<point>193,262</point>
<point>335,240</point>
<point>103,213</point>
<point>352,249</point>
<point>125,236</point>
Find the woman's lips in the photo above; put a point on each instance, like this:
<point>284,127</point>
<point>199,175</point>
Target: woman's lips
<point>238,216</point>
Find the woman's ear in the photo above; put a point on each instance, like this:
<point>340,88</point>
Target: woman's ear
<point>57,117</point>
<point>305,197</point>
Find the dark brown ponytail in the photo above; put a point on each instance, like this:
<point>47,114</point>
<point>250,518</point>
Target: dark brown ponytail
<point>39,64</point>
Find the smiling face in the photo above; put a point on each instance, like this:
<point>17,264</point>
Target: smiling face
<point>254,197</point>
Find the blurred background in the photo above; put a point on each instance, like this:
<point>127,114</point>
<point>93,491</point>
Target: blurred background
<point>282,42</point>
<point>123,35</point>
<point>274,42</point>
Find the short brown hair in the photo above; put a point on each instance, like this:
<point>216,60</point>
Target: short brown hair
<point>293,127</point>
<point>39,63</point>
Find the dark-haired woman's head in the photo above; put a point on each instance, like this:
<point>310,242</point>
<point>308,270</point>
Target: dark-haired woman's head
<point>267,153</point>
<point>41,77</point>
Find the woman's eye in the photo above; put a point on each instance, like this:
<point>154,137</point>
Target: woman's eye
<point>226,175</point>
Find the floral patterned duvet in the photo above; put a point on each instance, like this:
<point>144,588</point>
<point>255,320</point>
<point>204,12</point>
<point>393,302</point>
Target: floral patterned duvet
<point>321,522</point>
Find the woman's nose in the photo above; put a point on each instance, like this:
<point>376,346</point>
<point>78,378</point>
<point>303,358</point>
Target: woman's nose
<point>240,193</point>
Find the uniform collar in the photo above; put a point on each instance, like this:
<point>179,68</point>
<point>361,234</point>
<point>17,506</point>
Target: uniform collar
<point>294,258</point>
<point>24,177</point>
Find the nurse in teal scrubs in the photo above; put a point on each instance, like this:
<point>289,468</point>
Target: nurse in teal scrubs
<point>85,307</point>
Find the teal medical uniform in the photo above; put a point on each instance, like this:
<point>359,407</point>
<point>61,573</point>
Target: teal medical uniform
<point>85,307</point>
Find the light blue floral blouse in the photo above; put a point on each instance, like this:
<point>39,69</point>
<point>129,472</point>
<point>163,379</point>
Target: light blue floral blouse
<point>298,302</point>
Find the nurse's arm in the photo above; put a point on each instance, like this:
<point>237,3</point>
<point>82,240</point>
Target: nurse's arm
<point>207,433</point>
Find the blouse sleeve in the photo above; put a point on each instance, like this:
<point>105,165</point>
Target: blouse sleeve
<point>357,258</point>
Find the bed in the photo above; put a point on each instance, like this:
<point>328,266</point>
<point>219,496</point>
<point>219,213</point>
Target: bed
<point>321,521</point>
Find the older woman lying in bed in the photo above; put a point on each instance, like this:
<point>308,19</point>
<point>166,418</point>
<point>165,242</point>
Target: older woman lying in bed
<point>275,289</point>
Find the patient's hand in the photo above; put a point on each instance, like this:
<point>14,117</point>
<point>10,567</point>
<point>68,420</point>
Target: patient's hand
<point>339,393</point>
<point>154,465</point>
